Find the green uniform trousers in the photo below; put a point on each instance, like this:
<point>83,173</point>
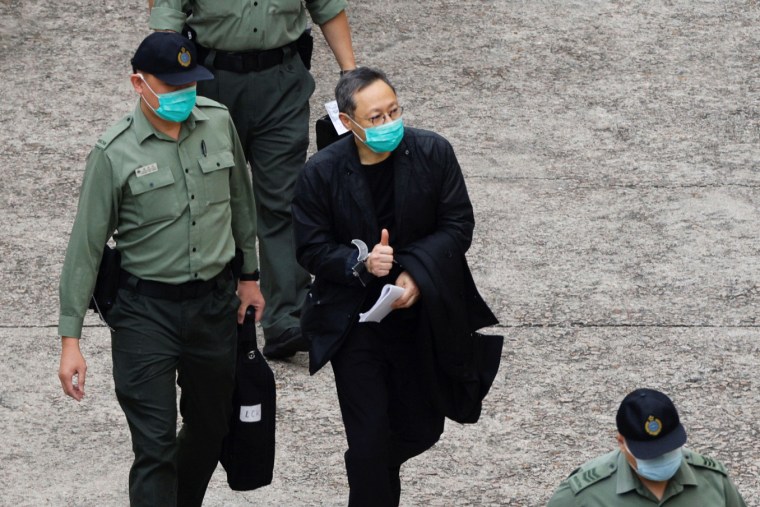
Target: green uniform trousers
<point>270,109</point>
<point>156,342</point>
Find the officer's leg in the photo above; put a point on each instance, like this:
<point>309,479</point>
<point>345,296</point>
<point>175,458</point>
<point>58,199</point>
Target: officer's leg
<point>145,357</point>
<point>360,379</point>
<point>206,378</point>
<point>277,141</point>
<point>230,89</point>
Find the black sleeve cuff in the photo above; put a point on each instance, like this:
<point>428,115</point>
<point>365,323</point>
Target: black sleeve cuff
<point>250,277</point>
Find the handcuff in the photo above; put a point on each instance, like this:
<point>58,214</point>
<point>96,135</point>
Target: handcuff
<point>360,268</point>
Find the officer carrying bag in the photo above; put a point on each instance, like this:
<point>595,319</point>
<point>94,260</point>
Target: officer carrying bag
<point>248,449</point>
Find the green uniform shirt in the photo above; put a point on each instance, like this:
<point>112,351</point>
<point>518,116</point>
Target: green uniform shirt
<point>610,481</point>
<point>243,25</point>
<point>179,208</point>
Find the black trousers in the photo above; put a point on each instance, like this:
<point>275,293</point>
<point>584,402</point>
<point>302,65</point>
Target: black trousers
<point>155,344</point>
<point>387,417</point>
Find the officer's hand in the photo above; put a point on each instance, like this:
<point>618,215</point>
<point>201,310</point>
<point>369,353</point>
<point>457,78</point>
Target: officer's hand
<point>73,368</point>
<point>250,295</point>
<point>380,259</point>
<point>411,292</point>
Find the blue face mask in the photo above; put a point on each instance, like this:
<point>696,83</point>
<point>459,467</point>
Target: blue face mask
<point>661,468</point>
<point>383,138</point>
<point>173,106</point>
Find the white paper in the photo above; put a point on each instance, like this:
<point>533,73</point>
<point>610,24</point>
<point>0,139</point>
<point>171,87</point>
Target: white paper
<point>382,306</point>
<point>332,111</point>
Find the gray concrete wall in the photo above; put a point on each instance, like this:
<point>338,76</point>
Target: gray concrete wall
<point>611,150</point>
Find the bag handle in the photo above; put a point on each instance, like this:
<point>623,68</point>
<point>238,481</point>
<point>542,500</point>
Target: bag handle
<point>247,334</point>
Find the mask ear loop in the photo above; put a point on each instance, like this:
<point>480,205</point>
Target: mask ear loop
<point>625,445</point>
<point>354,133</point>
<point>146,84</point>
<point>151,91</point>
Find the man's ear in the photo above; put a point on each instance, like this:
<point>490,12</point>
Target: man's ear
<point>346,121</point>
<point>137,83</point>
<point>620,440</point>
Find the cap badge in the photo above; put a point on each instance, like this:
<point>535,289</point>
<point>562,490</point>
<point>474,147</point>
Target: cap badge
<point>653,426</point>
<point>184,58</point>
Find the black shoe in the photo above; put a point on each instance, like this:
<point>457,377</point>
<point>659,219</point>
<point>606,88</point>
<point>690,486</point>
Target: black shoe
<point>286,345</point>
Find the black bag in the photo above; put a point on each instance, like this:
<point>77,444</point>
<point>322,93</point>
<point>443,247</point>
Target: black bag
<point>107,282</point>
<point>305,47</point>
<point>248,449</point>
<point>326,133</point>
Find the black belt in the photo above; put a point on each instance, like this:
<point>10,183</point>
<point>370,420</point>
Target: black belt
<point>249,61</point>
<point>171,292</point>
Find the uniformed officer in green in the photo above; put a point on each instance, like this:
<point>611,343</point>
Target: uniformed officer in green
<point>171,180</point>
<point>651,467</point>
<point>250,46</point>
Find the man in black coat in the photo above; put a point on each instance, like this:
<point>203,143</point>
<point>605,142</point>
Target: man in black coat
<point>402,191</point>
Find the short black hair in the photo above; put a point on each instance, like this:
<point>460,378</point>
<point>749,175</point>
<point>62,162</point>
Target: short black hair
<point>355,81</point>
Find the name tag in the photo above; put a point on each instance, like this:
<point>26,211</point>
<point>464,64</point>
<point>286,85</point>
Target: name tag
<point>146,169</point>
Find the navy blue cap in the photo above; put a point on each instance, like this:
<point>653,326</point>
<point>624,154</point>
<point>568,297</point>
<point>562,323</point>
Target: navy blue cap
<point>171,58</point>
<point>649,422</point>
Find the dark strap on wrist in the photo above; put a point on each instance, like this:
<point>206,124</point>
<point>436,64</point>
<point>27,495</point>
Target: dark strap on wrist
<point>250,277</point>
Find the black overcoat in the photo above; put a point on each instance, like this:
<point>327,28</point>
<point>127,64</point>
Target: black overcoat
<point>333,206</point>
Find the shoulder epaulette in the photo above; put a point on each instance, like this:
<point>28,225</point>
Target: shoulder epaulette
<point>698,460</point>
<point>586,476</point>
<point>207,102</point>
<point>114,131</point>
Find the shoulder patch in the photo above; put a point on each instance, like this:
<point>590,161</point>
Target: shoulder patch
<point>114,131</point>
<point>206,102</point>
<point>698,460</point>
<point>585,477</point>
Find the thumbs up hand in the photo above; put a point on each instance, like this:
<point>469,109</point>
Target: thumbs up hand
<point>380,260</point>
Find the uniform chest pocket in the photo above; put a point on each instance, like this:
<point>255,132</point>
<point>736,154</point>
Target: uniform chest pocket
<point>285,6</point>
<point>216,175</point>
<point>154,193</point>
<point>219,9</point>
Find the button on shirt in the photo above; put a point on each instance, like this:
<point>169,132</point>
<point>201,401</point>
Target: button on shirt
<point>243,25</point>
<point>178,207</point>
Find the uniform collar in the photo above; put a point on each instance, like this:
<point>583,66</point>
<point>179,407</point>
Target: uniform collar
<point>144,129</point>
<point>627,480</point>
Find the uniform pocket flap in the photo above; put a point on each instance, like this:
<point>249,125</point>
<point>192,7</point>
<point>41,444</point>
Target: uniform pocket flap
<point>154,177</point>
<point>216,161</point>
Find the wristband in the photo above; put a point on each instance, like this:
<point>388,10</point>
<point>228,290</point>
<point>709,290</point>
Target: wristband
<point>250,277</point>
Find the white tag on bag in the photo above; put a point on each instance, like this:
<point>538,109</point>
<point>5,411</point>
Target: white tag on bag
<point>250,413</point>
